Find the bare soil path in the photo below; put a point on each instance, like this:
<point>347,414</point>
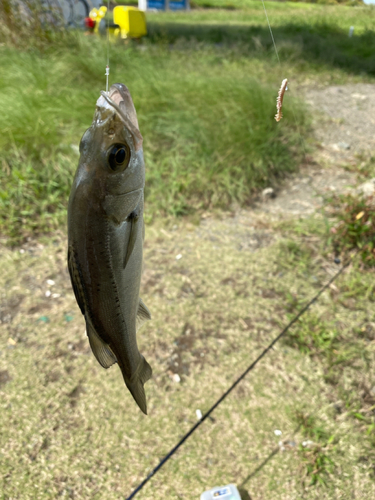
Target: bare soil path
<point>343,120</point>
<point>344,126</point>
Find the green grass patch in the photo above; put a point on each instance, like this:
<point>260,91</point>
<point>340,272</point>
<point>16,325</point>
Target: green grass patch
<point>204,85</point>
<point>209,136</point>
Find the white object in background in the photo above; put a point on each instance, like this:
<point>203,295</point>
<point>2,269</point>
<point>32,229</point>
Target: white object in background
<point>229,492</point>
<point>351,31</point>
<point>142,5</point>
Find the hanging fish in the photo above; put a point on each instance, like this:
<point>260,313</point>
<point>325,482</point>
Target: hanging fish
<point>105,237</point>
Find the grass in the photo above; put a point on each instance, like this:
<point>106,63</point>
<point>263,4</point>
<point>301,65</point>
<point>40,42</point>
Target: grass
<point>314,454</point>
<point>210,138</point>
<point>69,428</point>
<point>204,92</point>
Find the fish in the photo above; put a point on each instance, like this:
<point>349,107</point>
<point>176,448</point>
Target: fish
<point>105,237</point>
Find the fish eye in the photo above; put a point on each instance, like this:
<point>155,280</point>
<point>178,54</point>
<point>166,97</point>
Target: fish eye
<point>118,157</point>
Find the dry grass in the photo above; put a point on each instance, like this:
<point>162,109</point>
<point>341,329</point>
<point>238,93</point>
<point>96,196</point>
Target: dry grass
<point>69,428</point>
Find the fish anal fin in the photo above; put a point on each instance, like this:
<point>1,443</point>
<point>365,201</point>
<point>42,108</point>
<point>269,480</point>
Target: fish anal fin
<point>143,314</point>
<point>101,350</point>
<point>135,384</point>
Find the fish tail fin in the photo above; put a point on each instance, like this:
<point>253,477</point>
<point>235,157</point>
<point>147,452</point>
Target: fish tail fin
<point>135,385</point>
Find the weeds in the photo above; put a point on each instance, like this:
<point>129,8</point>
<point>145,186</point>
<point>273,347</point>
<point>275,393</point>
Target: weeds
<point>313,336</point>
<point>317,464</point>
<point>355,228</point>
<point>296,254</point>
<point>314,452</point>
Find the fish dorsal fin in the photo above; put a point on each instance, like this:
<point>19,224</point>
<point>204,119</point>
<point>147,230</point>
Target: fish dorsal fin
<point>143,314</point>
<point>101,350</point>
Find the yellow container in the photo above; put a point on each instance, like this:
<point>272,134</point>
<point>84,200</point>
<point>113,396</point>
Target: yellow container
<point>131,20</point>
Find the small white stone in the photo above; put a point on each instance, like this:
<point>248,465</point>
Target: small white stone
<point>367,188</point>
<point>55,295</point>
<point>307,443</point>
<point>277,432</point>
<point>176,377</point>
<point>178,257</point>
<point>268,193</point>
<point>48,293</point>
<point>50,282</point>
<point>281,446</point>
<point>22,250</point>
<point>198,414</point>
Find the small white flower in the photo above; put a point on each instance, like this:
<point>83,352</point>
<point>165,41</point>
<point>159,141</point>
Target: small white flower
<point>176,377</point>
<point>277,432</point>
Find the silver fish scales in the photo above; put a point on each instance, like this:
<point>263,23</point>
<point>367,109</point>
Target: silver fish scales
<point>105,237</point>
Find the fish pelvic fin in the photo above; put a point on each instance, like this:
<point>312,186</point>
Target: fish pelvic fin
<point>101,349</point>
<point>135,384</point>
<point>143,315</point>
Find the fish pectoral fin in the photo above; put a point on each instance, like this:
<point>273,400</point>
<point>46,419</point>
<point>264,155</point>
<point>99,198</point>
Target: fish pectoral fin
<point>135,384</point>
<point>143,315</point>
<point>119,206</point>
<point>101,350</point>
<point>133,219</point>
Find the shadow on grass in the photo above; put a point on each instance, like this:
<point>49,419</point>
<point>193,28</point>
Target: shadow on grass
<point>317,44</point>
<point>259,468</point>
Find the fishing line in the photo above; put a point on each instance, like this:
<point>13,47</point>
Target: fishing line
<point>240,378</point>
<point>107,67</point>
<point>291,107</point>
<point>273,40</point>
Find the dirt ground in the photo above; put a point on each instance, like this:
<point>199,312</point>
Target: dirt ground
<point>343,120</point>
<point>344,124</point>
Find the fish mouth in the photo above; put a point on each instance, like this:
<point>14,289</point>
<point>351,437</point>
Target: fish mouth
<point>118,99</point>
